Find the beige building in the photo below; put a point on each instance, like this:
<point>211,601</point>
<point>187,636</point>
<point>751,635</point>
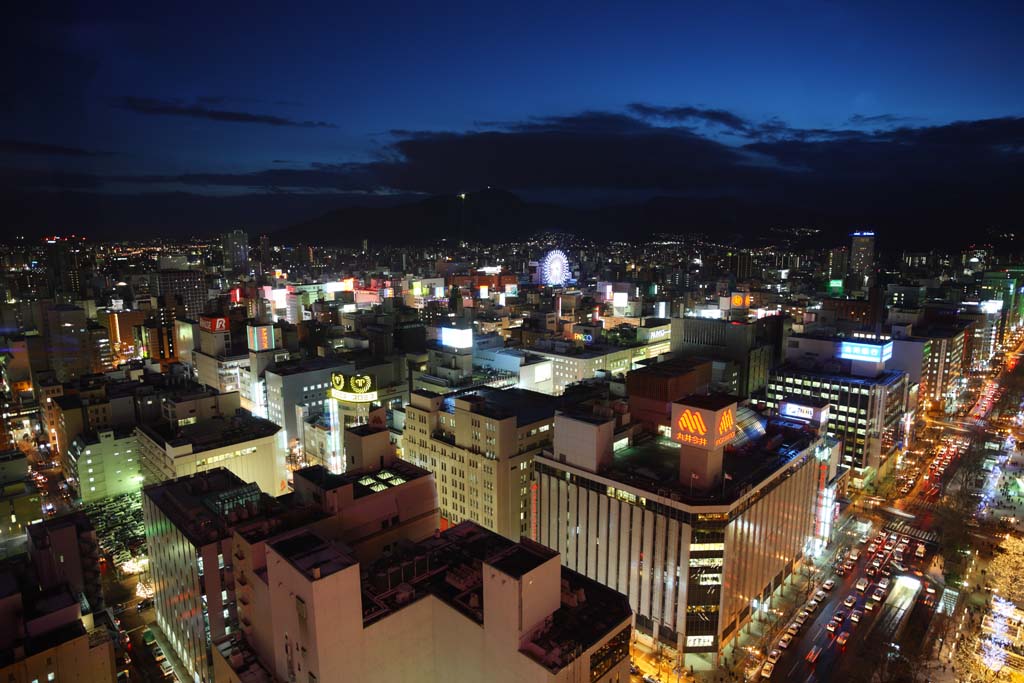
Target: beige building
<point>246,445</point>
<point>462,605</point>
<point>480,447</point>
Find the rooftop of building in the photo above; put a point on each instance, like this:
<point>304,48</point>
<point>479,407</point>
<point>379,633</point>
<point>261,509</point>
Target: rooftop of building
<point>272,516</point>
<point>449,566</point>
<point>242,660</point>
<point>215,432</point>
<point>92,437</point>
<point>761,447</point>
<point>364,483</point>
<point>12,455</point>
<point>715,401</point>
<point>316,364</point>
<point>526,406</point>
<point>39,532</point>
<point>673,367</point>
<point>198,505</point>
<point>312,555</point>
<point>883,378</point>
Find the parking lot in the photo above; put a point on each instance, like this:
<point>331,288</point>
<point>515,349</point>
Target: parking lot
<point>118,524</point>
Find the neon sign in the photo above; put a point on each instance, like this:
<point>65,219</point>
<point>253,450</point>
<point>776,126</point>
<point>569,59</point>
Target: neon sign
<point>692,422</point>
<point>585,338</point>
<point>798,411</point>
<point>726,423</point>
<point>875,353</point>
<point>354,389</point>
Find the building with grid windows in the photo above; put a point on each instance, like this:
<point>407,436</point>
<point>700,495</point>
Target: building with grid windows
<point>480,447</point>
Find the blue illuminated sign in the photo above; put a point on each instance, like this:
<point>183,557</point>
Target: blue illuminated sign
<point>873,353</point>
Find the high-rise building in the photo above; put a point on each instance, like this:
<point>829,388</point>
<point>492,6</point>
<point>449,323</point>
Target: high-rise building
<point>190,560</point>
<point>862,256</point>
<point>481,447</point>
<point>235,247</point>
<point>266,261</point>
<point>187,286</point>
<point>754,347</point>
<point>838,263</point>
<point>869,404</point>
<point>700,529</point>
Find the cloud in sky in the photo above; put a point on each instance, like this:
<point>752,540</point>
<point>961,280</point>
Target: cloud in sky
<point>28,148</point>
<point>965,170</point>
<point>202,110</point>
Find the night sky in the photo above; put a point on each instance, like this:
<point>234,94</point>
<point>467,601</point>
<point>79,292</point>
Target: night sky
<point>278,113</point>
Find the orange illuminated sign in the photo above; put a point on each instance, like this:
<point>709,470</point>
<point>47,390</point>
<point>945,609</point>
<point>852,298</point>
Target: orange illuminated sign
<point>692,422</point>
<point>726,423</point>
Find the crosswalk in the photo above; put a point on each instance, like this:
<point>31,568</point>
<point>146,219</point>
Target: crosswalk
<point>904,529</point>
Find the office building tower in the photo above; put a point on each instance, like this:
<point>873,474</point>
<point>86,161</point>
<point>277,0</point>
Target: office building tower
<point>869,404</point>
<point>838,265</point>
<point>68,340</point>
<point>235,247</point>
<point>480,446</point>
<point>266,261</point>
<point>862,257</point>
<point>741,263</point>
<point>945,372</point>
<point>699,529</point>
<point>190,560</point>
<point>187,286</point>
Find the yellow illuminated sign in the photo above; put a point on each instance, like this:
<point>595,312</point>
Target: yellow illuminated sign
<point>360,384</point>
<point>692,422</point>
<point>726,423</point>
<point>337,381</point>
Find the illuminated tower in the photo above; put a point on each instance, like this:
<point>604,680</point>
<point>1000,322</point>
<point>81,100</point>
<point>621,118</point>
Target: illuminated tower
<point>862,256</point>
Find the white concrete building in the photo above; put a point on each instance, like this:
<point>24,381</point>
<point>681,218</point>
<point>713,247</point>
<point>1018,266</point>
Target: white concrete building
<point>105,463</point>
<point>697,530</point>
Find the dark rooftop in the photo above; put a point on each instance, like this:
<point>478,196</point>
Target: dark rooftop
<point>215,432</point>
<point>313,555</point>
<point>364,483</point>
<point>525,405</point>
<point>196,504</point>
<point>522,558</point>
<point>708,401</point>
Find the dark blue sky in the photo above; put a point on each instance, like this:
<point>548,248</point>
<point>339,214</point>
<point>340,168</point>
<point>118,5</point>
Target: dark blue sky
<point>231,98</point>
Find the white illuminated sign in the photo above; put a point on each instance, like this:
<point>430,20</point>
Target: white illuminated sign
<point>798,411</point>
<point>875,353</point>
<point>700,641</point>
<point>352,397</point>
<point>457,338</point>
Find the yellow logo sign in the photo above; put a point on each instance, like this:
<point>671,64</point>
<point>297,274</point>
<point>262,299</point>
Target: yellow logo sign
<point>726,423</point>
<point>692,422</point>
<point>337,381</point>
<point>360,384</point>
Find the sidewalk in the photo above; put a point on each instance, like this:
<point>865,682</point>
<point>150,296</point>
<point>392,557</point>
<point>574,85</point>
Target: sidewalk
<point>161,638</point>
